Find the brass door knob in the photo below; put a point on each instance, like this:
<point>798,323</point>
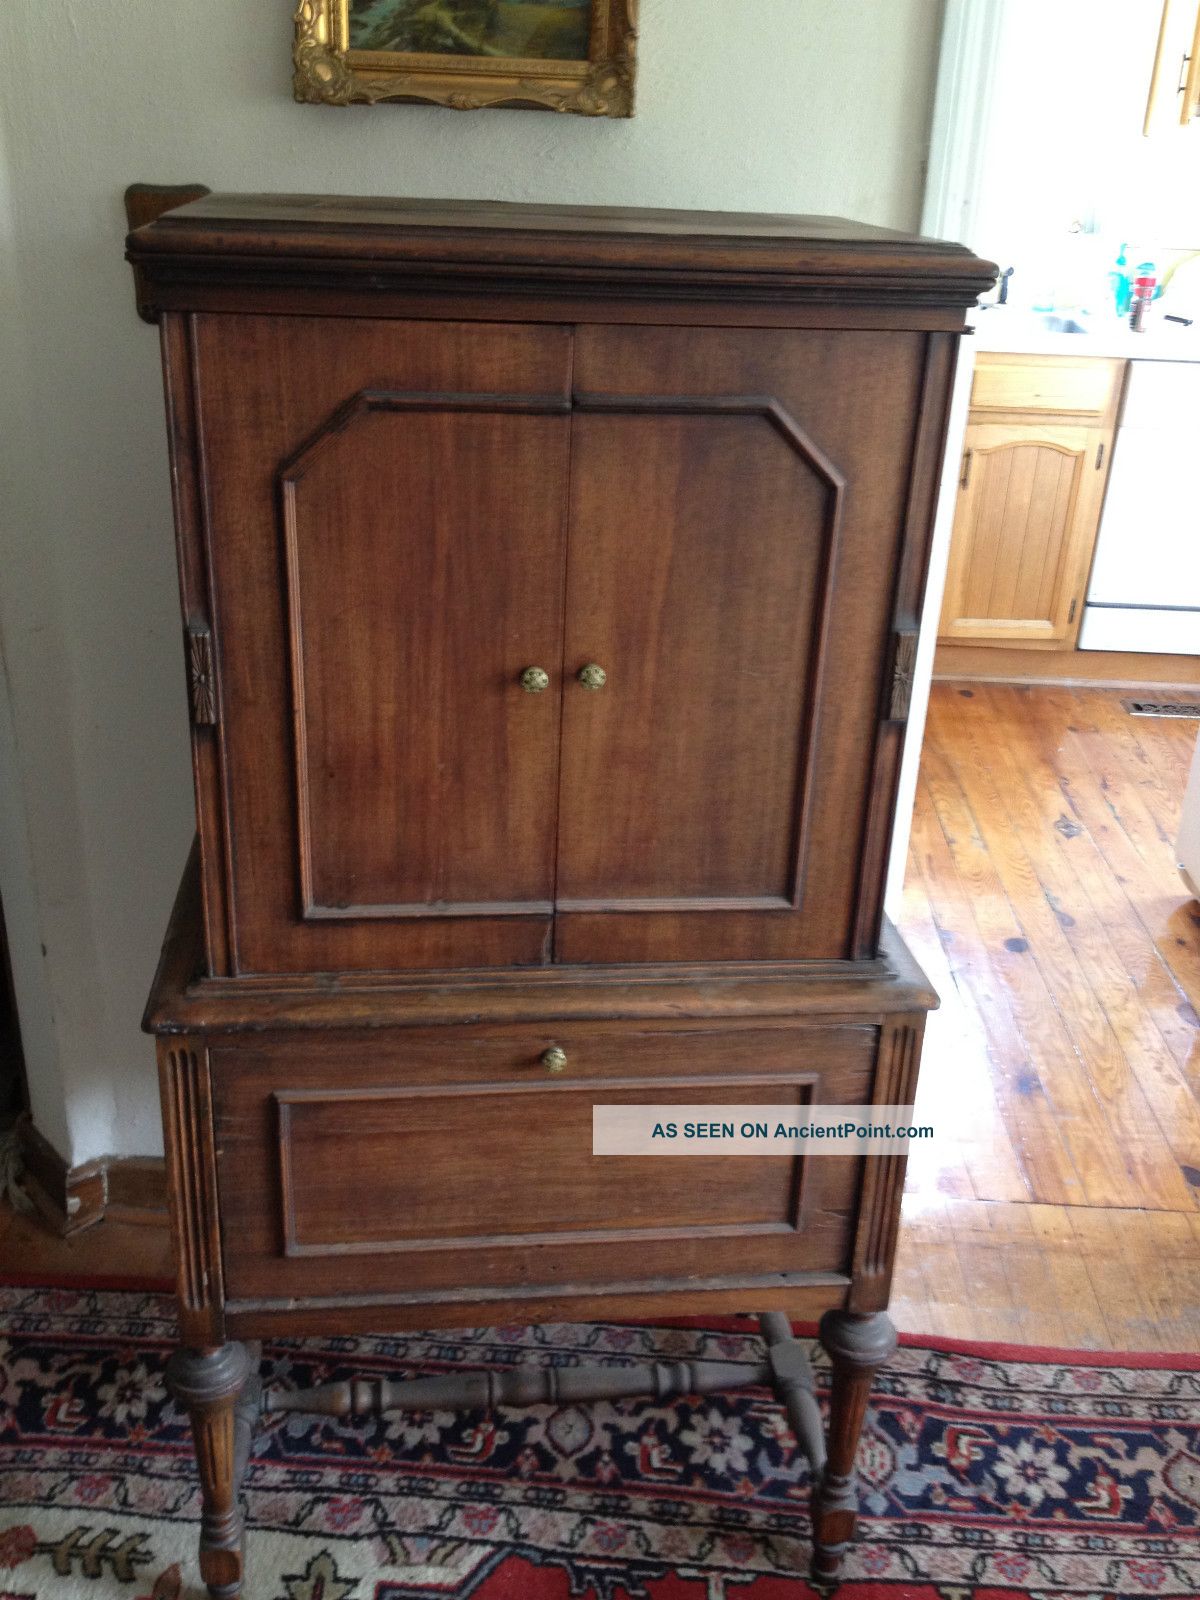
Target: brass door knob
<point>592,676</point>
<point>554,1059</point>
<point>534,680</point>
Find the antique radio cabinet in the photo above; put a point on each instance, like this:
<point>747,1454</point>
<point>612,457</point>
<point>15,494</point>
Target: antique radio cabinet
<point>550,582</point>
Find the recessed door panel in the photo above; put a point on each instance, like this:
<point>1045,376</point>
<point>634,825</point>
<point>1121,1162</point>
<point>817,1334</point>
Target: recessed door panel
<point>1028,507</point>
<point>425,772</point>
<point>684,774</point>
<point>386,521</point>
<point>737,511</point>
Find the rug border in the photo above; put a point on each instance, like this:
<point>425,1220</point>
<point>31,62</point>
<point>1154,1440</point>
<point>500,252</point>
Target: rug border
<point>985,1349</point>
<point>988,1349</point>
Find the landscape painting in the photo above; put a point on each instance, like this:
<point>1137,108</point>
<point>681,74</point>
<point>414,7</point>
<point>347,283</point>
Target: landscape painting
<point>578,56</point>
<point>541,30</point>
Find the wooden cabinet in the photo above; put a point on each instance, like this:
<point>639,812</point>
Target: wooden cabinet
<point>426,1151</point>
<point>457,504</point>
<point>1028,514</point>
<point>1031,488</point>
<point>1174,94</point>
<point>550,585</point>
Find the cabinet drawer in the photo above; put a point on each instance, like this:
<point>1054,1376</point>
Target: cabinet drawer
<point>1073,386</point>
<point>448,1165</point>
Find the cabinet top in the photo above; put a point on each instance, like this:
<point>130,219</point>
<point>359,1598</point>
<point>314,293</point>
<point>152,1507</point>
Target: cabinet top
<point>255,243</point>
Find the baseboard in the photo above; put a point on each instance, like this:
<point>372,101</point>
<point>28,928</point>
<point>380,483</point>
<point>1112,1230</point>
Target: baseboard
<point>70,1199</point>
<point>1097,669</point>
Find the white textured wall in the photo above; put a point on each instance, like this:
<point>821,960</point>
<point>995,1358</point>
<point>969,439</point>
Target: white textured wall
<point>787,105</point>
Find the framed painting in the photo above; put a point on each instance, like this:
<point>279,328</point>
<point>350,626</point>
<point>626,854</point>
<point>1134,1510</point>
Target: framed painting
<point>560,55</point>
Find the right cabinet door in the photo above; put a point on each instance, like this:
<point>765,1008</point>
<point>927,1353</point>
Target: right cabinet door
<point>737,507</point>
<point>1028,509</point>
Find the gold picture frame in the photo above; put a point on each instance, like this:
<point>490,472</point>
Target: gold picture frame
<point>470,74</point>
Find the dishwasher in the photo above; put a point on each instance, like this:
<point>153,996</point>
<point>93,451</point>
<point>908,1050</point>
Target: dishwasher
<point>1144,593</point>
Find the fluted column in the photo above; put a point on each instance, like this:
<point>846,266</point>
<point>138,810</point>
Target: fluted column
<point>857,1346</point>
<point>207,1385</point>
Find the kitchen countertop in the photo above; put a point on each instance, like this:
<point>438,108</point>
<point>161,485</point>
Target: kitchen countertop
<point>1015,332</point>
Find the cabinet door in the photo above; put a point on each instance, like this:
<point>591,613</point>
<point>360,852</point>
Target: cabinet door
<point>1028,511</point>
<point>737,509</point>
<point>386,510</point>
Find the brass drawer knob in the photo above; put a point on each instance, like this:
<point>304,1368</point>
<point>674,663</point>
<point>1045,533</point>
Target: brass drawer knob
<point>592,676</point>
<point>535,680</point>
<point>554,1059</point>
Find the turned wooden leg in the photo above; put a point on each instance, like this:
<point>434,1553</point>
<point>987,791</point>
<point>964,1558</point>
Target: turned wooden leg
<point>857,1346</point>
<point>209,1384</point>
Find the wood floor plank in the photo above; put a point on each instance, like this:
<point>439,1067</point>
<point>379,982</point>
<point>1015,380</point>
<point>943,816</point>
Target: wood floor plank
<point>1152,751</point>
<point>1079,1315</point>
<point>1082,813</point>
<point>973,1157</point>
<point>1105,1239</point>
<point>1069,876</point>
<point>1168,915</point>
<point>1034,882</point>
<point>1054,1070</point>
<point>951,1307</point>
<point>1162,1258</point>
<point>1031,1119</point>
<point>110,1249</point>
<point>986,1282</point>
<point>1113,901</point>
<point>1089,1278</point>
<point>1125,789</point>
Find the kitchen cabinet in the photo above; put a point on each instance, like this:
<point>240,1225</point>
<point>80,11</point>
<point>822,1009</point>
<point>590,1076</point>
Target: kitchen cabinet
<point>1031,487</point>
<point>1175,80</point>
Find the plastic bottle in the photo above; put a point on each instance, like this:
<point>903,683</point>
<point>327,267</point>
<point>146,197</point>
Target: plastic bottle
<point>1119,283</point>
<point>1144,286</point>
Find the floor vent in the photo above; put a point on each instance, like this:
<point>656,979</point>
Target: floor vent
<point>1162,708</point>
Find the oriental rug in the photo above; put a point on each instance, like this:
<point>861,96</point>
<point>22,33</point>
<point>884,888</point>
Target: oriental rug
<point>988,1473</point>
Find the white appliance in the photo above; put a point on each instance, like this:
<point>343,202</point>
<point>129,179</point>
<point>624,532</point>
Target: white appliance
<point>1144,592</point>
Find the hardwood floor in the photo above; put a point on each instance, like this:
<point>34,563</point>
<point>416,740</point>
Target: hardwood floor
<point>126,1250</point>
<point>1060,1201</point>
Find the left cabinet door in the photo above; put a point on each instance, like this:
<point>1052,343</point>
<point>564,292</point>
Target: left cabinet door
<point>385,526</point>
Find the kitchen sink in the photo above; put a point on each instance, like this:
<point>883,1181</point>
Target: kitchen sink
<point>1061,322</point>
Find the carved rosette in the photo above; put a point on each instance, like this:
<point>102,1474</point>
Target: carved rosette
<point>200,676</point>
<point>324,76</point>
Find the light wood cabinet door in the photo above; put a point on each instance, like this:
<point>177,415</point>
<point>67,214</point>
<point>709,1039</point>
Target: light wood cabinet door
<point>1174,97</point>
<point>1028,511</point>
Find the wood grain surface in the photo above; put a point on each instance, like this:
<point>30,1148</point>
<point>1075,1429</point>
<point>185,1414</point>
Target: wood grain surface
<point>1043,897</point>
<point>1000,1237</point>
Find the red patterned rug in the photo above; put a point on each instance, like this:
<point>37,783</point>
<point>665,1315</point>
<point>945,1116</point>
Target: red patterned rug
<point>987,1472</point>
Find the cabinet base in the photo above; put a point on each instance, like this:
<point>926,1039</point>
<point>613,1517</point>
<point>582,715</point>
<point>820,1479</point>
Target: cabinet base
<point>221,1392</point>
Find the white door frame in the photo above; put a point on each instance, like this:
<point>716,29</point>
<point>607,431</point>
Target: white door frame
<point>971,32</point>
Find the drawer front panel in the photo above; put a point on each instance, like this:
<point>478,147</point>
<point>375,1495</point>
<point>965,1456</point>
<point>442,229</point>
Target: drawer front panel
<point>1081,386</point>
<point>445,1164</point>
